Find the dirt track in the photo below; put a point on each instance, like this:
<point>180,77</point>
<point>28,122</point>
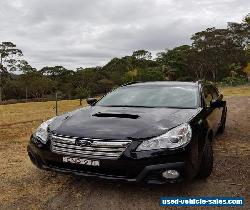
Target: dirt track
<point>25,187</point>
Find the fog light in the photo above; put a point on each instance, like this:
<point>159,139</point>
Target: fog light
<point>170,174</point>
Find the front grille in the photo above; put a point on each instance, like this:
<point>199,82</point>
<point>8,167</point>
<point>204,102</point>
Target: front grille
<point>96,148</point>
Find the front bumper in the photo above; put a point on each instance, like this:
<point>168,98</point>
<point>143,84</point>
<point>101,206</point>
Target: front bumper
<point>129,169</point>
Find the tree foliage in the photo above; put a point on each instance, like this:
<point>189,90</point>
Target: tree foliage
<point>8,60</point>
<point>215,54</point>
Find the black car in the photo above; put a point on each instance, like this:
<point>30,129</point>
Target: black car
<point>153,132</point>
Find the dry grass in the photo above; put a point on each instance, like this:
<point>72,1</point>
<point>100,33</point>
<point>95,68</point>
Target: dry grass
<point>34,111</point>
<point>17,123</point>
<point>236,91</point>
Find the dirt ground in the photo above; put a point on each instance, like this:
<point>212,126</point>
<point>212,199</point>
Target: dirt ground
<point>23,186</point>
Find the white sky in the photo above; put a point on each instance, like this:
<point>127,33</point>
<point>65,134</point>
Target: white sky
<point>86,33</point>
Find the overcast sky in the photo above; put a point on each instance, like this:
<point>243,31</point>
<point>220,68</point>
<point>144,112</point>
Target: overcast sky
<point>85,33</point>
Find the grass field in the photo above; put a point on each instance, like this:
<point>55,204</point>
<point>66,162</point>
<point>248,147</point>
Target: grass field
<point>34,111</point>
<point>236,91</point>
<point>25,187</point>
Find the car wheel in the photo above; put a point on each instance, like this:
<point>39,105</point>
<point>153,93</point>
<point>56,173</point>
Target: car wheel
<point>206,166</point>
<point>223,122</point>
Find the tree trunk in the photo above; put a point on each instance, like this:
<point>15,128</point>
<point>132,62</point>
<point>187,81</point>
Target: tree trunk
<point>0,94</point>
<point>1,83</point>
<point>0,88</point>
<point>1,70</point>
<point>26,94</point>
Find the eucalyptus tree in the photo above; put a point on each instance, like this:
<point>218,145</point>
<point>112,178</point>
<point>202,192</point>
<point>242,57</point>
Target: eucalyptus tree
<point>9,60</point>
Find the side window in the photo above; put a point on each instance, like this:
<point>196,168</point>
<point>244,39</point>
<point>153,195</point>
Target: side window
<point>214,92</point>
<point>207,96</point>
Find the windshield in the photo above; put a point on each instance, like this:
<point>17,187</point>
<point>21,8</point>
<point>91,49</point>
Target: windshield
<point>152,96</point>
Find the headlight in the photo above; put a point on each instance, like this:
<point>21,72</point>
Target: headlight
<point>42,131</point>
<point>175,138</point>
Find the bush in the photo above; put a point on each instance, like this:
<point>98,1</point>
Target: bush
<point>185,78</point>
<point>234,80</point>
<point>150,74</point>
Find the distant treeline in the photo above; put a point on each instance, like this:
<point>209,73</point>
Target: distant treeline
<point>218,55</point>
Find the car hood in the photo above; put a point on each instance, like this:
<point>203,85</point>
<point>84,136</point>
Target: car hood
<point>120,122</point>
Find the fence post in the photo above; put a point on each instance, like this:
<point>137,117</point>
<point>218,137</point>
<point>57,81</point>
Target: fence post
<point>56,105</point>
<point>26,94</point>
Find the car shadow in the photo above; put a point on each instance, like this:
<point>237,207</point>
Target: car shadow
<point>168,189</point>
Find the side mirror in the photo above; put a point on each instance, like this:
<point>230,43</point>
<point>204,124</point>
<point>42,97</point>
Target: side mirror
<point>91,101</point>
<point>216,103</point>
<point>220,97</point>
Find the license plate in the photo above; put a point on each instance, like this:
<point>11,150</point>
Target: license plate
<point>81,161</point>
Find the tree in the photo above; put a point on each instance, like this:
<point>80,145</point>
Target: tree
<point>240,32</point>
<point>115,69</point>
<point>35,85</point>
<point>175,62</point>
<point>150,74</point>
<point>131,75</point>
<point>142,55</point>
<point>62,79</point>
<point>82,93</point>
<point>8,60</point>
<point>25,67</point>
<point>55,72</point>
<point>106,85</point>
<point>213,50</point>
<point>88,79</point>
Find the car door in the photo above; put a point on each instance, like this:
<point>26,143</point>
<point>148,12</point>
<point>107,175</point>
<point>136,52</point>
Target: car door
<point>218,110</point>
<point>210,111</point>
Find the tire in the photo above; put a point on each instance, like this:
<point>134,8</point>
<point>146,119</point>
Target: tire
<point>223,122</point>
<point>206,166</point>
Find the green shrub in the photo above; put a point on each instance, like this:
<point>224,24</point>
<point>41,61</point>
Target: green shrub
<point>234,80</point>
<point>150,74</point>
